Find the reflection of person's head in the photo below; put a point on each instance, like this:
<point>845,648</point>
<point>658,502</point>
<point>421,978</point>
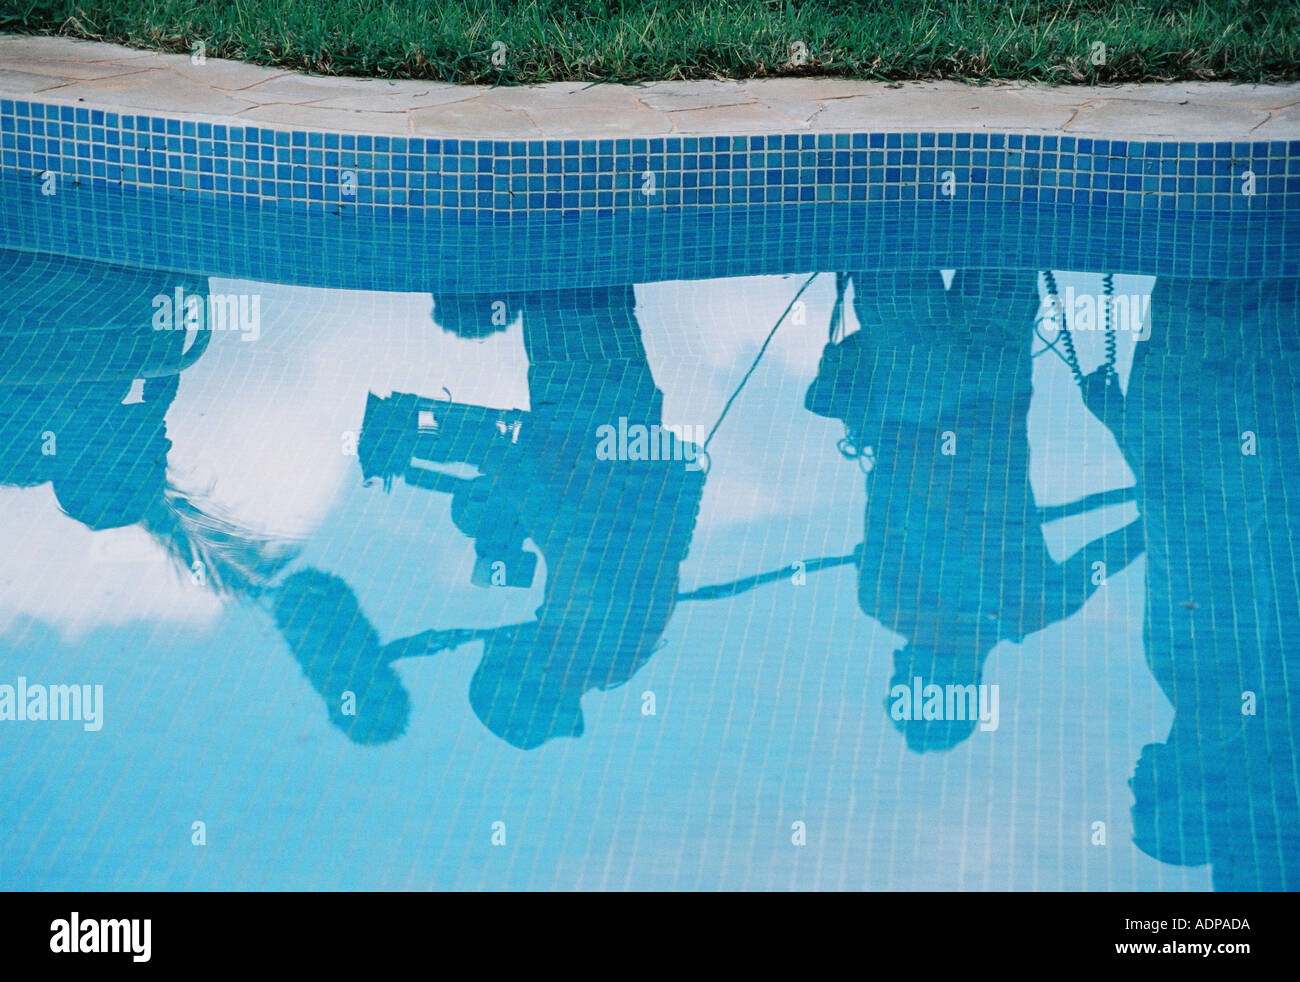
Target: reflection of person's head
<point>1168,810</point>
<point>340,654</point>
<point>520,694</point>
<point>474,316</point>
<point>942,670</point>
<point>109,477</point>
<point>106,461</point>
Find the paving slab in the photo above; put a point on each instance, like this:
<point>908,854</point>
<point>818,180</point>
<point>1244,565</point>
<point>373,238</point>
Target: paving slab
<point>317,118</point>
<point>23,83</point>
<point>111,76</point>
<point>1152,119</point>
<point>151,90</point>
<point>472,118</point>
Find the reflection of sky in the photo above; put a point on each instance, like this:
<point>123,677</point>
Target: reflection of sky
<point>770,705</point>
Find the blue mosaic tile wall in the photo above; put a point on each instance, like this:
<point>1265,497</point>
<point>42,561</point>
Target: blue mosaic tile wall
<point>316,170</point>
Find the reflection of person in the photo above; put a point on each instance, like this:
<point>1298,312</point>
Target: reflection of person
<point>85,386</point>
<point>934,391</point>
<point>66,368</point>
<point>612,532</point>
<point>1210,428</point>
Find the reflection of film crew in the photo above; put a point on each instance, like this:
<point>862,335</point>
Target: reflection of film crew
<point>613,532</point>
<point>607,598</point>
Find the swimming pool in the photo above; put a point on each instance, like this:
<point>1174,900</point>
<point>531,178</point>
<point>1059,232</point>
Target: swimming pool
<point>843,534</point>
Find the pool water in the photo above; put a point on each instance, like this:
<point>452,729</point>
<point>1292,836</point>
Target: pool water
<point>837,550</point>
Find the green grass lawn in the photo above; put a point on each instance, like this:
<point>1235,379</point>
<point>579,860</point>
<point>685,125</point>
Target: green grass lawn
<point>546,40</point>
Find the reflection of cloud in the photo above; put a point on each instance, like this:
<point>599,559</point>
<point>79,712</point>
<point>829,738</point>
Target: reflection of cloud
<point>770,457</point>
<point>58,571</point>
<point>262,426</point>
<point>1072,453</point>
<point>723,322</point>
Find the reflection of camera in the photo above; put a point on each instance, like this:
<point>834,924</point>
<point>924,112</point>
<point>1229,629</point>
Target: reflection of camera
<point>404,428</point>
<point>404,433</point>
<point>512,569</point>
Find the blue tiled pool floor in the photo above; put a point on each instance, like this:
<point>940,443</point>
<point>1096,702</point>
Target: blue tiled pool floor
<point>643,582</point>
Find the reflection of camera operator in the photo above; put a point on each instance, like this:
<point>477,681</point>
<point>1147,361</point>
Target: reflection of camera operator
<point>66,371</point>
<point>612,532</point>
<point>934,392</point>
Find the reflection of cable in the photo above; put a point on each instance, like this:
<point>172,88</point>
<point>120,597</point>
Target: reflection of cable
<point>432,642</point>
<point>705,461</point>
<point>1066,337</point>
<point>1108,289</point>
<point>837,313</point>
<point>848,447</point>
<point>1048,345</point>
<point>719,590</point>
<point>770,334</point>
<point>1063,332</point>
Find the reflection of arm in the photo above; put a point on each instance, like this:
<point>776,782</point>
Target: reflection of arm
<point>1075,576</point>
<point>430,480</point>
<point>479,508</point>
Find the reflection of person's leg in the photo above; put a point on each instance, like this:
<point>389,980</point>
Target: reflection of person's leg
<point>1225,321</point>
<point>952,560</point>
<point>587,367</point>
<point>914,307</point>
<point>616,530</point>
<point>1178,785</point>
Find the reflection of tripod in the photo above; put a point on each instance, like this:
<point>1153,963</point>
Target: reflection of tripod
<point>403,434</point>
